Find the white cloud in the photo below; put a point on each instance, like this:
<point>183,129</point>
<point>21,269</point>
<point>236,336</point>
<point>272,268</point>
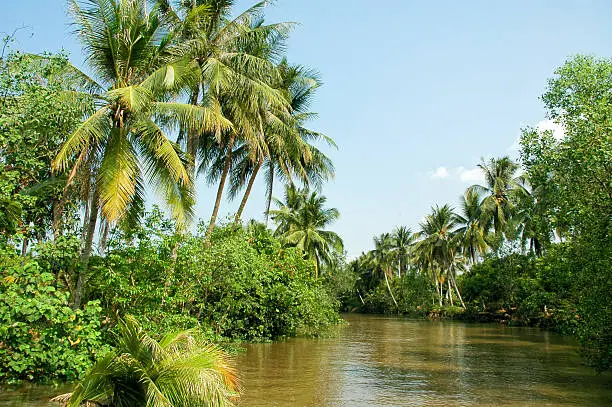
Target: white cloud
<point>470,176</point>
<point>558,130</point>
<point>474,175</point>
<point>441,172</point>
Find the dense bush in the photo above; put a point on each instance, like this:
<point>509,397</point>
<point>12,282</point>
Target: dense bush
<point>412,291</point>
<point>242,286</point>
<point>41,337</point>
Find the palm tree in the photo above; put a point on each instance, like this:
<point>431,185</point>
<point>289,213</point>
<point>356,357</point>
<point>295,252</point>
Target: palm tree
<point>123,142</point>
<point>235,59</point>
<point>179,370</point>
<point>438,248</point>
<point>403,239</point>
<point>530,221</point>
<point>383,258</point>
<point>503,184</point>
<point>285,147</point>
<point>302,220</point>
<point>472,235</point>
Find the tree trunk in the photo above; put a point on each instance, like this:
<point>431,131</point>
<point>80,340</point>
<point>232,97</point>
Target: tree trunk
<point>226,168</point>
<point>450,292</point>
<point>104,237</point>
<point>457,290</point>
<point>85,221</point>
<point>390,292</point>
<point>247,192</point>
<point>86,254</point>
<point>24,246</point>
<point>58,209</point>
<point>271,187</point>
<point>192,141</point>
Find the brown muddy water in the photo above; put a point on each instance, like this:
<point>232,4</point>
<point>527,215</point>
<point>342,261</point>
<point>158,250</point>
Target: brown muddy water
<point>377,361</point>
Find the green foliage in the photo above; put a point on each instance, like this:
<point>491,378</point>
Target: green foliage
<point>178,370</point>
<point>301,222</point>
<point>41,337</point>
<point>35,117</point>
<point>575,192</point>
<point>413,292</point>
<point>243,286</point>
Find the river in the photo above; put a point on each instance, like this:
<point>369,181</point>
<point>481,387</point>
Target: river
<point>377,361</point>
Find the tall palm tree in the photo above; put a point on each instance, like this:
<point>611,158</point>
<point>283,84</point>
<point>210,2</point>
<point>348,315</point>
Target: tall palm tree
<point>285,147</point>
<point>529,222</point>
<point>438,247</point>
<point>382,259</point>
<point>178,370</point>
<point>138,76</point>
<point>403,239</point>
<point>471,233</point>
<point>236,61</point>
<point>302,220</point>
<point>503,184</point>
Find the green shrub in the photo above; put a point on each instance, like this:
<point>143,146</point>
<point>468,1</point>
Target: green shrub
<point>413,293</point>
<point>41,337</point>
<point>243,285</point>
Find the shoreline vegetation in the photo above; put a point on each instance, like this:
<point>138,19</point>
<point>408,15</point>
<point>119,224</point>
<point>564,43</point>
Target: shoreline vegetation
<point>179,94</point>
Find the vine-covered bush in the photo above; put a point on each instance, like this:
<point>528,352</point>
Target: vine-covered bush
<point>41,337</point>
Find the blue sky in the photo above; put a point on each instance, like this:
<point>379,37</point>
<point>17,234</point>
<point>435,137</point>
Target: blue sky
<point>415,92</point>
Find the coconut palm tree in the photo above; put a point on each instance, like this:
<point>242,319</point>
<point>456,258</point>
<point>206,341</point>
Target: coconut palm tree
<point>471,233</point>
<point>286,148</point>
<point>503,185</point>
<point>123,142</point>
<point>179,370</point>
<point>236,62</point>
<point>403,239</point>
<point>302,220</point>
<point>382,259</point>
<point>438,247</point>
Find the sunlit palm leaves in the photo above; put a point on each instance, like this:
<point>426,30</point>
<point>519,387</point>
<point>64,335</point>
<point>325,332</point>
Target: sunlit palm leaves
<point>179,370</point>
<point>131,52</point>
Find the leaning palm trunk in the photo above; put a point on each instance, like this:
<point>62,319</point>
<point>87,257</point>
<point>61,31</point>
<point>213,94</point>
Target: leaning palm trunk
<point>457,289</point>
<point>390,292</point>
<point>226,168</point>
<point>247,192</point>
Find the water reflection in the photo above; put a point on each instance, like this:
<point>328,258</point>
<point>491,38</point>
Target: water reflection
<point>388,362</point>
<point>379,361</point>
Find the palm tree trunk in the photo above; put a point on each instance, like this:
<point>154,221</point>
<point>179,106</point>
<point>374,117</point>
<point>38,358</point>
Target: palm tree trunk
<point>58,209</point>
<point>104,237</point>
<point>86,253</point>
<point>247,192</point>
<point>270,188</point>
<point>457,289</point>
<point>24,246</point>
<point>390,292</point>
<point>192,141</point>
<point>226,168</point>
<point>450,292</point>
